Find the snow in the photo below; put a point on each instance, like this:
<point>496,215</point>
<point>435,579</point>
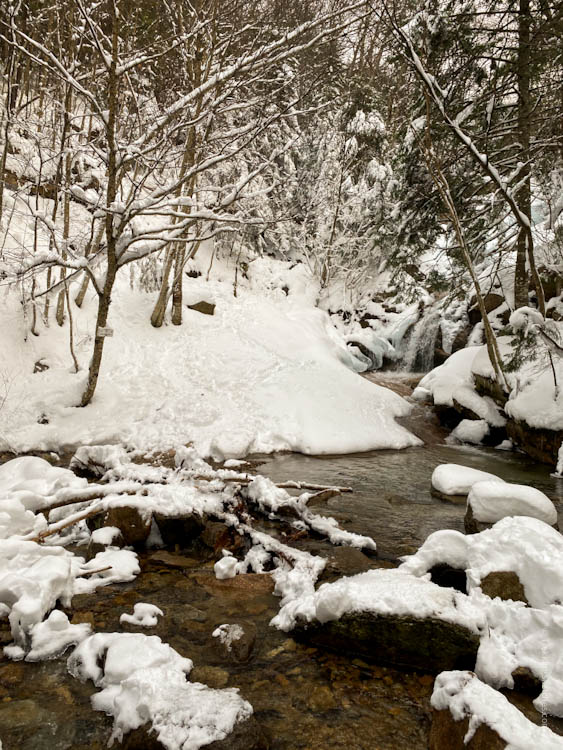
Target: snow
<point>527,546</point>
<point>491,501</point>
<point>266,372</point>
<point>382,592</point>
<point>105,535</point>
<point>143,680</point>
<point>227,634</point>
<point>271,499</point>
<point>50,638</point>
<point>144,615</point>
<point>455,479</point>
<point>226,567</point>
<point>31,480</point>
<point>471,431</point>
<point>442,381</point>
<point>465,696</point>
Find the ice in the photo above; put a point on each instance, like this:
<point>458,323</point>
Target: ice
<point>226,567</point>
<point>465,696</point>
<point>144,615</point>
<point>491,501</point>
<point>455,479</point>
<point>144,680</point>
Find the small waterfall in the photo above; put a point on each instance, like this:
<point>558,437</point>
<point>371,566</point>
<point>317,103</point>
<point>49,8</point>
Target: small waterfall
<point>419,353</point>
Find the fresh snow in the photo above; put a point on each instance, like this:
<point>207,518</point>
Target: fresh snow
<point>455,479</point>
<point>491,501</point>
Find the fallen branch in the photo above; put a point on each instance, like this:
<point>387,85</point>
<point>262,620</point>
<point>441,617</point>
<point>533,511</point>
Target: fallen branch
<point>93,572</point>
<point>96,494</point>
<point>289,485</point>
<point>55,528</point>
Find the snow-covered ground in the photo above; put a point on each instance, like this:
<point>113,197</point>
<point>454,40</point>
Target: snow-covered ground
<point>267,372</point>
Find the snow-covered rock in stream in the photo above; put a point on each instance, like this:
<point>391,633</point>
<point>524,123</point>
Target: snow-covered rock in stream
<point>389,616</point>
<point>466,708</point>
<point>143,681</point>
<point>489,501</point>
<point>455,481</point>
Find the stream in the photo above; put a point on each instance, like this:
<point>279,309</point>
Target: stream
<point>303,698</point>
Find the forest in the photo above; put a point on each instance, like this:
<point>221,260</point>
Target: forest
<point>281,314</point>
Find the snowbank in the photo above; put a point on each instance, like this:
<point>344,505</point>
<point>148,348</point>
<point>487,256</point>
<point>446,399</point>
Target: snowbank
<point>443,381</point>
<point>265,373</point>
<point>454,479</point>
<point>491,501</point>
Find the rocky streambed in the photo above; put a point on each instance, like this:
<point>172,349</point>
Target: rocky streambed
<point>304,695</point>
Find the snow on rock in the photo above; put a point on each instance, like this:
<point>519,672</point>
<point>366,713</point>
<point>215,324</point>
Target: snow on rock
<point>144,680</point>
<point>465,696</point>
<point>105,535</point>
<point>32,579</point>
<point>528,547</point>
<point>455,479</point>
<point>442,381</point>
<point>54,635</point>
<point>98,459</point>
<point>226,567</point>
<point>265,373</point>
<point>144,615</point>
<point>227,634</point>
<point>382,592</point>
<point>32,480</point>
<point>110,566</point>
<point>534,398</point>
<point>471,431</point>
<point>491,501</point>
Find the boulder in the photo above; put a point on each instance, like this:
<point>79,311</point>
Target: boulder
<point>429,645</point>
<point>541,444</point>
<point>503,584</point>
<point>448,734</point>
<point>491,300</point>
<point>179,531</point>
<point>134,527</point>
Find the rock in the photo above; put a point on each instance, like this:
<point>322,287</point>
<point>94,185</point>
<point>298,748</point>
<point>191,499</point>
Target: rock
<point>247,735</point>
<point>345,561</point>
<point>179,531</point>
<point>461,338</point>
<point>22,715</point>
<point>162,557</point>
<point>541,444</point>
<point>214,677</point>
<point>456,499</point>
<point>206,308</point>
<point>134,528</point>
<point>321,699</point>
<point>505,584</point>
<point>525,681</point>
<point>444,575</point>
<point>249,585</point>
<point>237,641</point>
<point>448,734</point>
<point>491,300</point>
<point>429,645</point>
<point>40,366</point>
<point>471,524</point>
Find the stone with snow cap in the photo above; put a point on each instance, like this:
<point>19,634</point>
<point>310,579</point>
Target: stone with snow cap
<point>490,501</point>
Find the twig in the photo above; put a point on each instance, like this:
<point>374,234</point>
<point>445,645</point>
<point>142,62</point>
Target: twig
<point>93,572</point>
<point>291,485</point>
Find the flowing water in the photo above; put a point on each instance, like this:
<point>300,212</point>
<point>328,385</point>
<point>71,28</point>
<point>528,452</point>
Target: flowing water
<point>303,697</point>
